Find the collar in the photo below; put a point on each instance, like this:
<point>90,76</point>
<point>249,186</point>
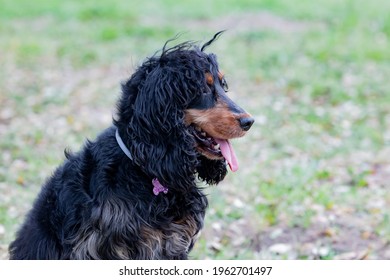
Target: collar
<point>122,145</point>
<point>157,187</point>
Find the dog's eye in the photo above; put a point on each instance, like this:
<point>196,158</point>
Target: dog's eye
<point>224,85</point>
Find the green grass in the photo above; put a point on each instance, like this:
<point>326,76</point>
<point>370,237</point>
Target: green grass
<point>314,169</point>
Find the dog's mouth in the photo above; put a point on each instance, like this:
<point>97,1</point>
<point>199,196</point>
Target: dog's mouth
<point>214,148</point>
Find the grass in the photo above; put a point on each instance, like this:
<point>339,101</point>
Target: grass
<point>314,169</point>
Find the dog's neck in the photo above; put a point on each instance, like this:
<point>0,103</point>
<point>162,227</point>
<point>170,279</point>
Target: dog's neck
<point>157,186</point>
<point>122,145</point>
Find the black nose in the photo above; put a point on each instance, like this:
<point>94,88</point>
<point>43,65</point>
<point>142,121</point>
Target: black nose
<point>246,123</point>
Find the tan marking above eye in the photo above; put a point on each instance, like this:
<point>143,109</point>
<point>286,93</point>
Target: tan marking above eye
<point>209,79</point>
<point>220,75</point>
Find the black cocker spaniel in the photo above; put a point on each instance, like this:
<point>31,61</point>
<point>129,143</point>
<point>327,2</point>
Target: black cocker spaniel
<point>131,193</point>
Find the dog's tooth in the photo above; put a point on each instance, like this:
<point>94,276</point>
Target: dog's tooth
<point>198,128</point>
<point>203,133</point>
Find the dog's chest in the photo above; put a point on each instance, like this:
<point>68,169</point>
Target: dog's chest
<point>172,242</point>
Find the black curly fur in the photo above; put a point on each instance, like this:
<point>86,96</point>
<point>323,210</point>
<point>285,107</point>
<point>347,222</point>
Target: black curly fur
<point>99,204</point>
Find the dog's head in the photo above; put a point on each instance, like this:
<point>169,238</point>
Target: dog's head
<point>178,117</point>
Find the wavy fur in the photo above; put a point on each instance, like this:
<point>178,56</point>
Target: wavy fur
<point>99,204</point>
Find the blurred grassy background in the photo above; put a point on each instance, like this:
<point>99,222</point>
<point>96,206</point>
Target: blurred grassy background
<point>314,173</point>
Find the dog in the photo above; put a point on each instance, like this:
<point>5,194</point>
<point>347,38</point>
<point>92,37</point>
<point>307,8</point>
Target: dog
<point>132,193</point>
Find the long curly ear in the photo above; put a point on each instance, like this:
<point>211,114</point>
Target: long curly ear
<point>211,171</point>
<point>159,142</point>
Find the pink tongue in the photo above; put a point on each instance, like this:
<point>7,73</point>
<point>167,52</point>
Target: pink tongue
<point>228,153</point>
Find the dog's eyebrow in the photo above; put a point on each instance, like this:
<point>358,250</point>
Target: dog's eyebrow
<point>209,78</point>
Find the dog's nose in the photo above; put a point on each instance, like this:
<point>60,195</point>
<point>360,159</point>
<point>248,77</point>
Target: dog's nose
<point>246,123</point>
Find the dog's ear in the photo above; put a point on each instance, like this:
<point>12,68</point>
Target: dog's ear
<point>159,141</point>
<point>211,171</point>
